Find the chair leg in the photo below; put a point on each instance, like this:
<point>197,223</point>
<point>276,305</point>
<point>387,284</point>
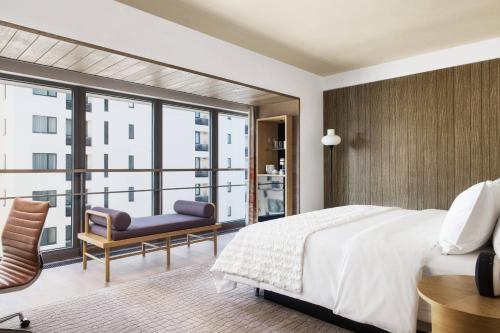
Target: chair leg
<point>23,322</point>
<point>84,255</point>
<point>167,248</point>
<point>107,262</point>
<point>215,243</point>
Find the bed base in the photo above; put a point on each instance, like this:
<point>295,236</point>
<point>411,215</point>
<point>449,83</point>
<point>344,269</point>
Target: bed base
<point>321,313</point>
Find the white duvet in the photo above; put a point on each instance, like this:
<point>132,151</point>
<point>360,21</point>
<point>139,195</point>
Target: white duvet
<point>365,269</point>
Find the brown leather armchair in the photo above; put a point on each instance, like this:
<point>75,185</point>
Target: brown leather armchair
<point>22,263</point>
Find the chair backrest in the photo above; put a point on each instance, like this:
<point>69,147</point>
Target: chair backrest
<point>21,238</point>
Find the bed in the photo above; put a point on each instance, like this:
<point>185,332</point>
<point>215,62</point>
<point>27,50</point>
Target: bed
<point>387,248</point>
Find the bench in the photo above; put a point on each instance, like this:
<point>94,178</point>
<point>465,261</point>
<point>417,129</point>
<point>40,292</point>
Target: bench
<point>112,228</point>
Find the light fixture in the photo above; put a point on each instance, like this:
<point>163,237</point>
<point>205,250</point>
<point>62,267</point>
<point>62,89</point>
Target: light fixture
<point>330,140</point>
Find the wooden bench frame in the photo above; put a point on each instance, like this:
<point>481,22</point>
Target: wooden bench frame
<point>106,243</point>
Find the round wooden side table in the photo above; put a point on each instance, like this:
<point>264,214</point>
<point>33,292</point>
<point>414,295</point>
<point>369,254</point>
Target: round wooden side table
<point>457,307</point>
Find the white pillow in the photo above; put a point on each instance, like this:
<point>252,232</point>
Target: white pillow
<point>495,187</point>
<point>469,223</point>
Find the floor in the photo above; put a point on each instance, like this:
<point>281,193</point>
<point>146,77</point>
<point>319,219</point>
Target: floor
<point>68,281</point>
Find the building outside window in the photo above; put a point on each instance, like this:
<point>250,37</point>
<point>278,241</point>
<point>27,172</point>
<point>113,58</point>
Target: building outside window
<point>49,236</point>
<point>228,211</point>
<point>106,165</point>
<point>130,131</point>
<point>131,193</point>
<point>44,124</point>
<point>106,105</point>
<point>130,162</point>
<point>197,137</point>
<point>131,105</point>
<point>69,235</point>
<point>106,197</point>
<point>69,166</point>
<point>68,203</point>
<point>44,161</point>
<point>106,133</point>
<point>229,162</point>
<point>228,187</point>
<point>44,92</point>
<point>49,196</point>
<point>228,138</point>
<point>197,189</point>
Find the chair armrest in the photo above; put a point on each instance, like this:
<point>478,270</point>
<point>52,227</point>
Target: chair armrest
<point>89,212</point>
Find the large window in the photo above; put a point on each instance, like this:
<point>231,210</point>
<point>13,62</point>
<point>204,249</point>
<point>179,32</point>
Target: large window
<point>111,150</point>
<point>96,159</point>
<point>36,121</point>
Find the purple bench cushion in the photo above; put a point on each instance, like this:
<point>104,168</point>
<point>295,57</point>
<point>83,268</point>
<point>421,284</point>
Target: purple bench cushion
<point>144,226</point>
<point>194,208</point>
<point>119,220</point>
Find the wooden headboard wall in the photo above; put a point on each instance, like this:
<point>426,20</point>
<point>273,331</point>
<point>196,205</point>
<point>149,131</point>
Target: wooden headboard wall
<point>415,141</point>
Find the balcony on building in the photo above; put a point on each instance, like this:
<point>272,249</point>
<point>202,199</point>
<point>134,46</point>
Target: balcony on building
<point>201,198</point>
<point>201,146</point>
<point>201,173</point>
<point>201,121</point>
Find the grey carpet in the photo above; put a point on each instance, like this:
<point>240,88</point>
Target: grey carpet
<point>183,300</point>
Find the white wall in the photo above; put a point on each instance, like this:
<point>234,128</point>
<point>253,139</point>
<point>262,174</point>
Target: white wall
<point>455,56</point>
<point>116,26</point>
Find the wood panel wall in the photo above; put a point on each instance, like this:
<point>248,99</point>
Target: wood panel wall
<point>415,141</point>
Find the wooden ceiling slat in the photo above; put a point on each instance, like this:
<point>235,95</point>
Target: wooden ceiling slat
<point>130,70</point>
<point>155,75</point>
<point>39,47</point>
<point>91,59</point>
<point>76,55</point>
<point>59,50</point>
<point>117,67</point>
<point>104,63</point>
<point>44,49</point>
<point>6,34</point>
<point>18,44</point>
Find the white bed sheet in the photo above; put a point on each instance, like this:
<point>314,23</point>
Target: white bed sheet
<point>323,250</point>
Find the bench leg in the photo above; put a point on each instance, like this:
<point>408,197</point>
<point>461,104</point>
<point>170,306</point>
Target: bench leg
<point>215,243</point>
<point>143,249</point>
<point>188,240</point>
<point>84,255</point>
<point>167,248</point>
<point>107,262</point>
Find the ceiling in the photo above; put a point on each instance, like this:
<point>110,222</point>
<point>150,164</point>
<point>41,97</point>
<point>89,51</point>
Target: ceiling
<point>27,45</point>
<point>331,36</point>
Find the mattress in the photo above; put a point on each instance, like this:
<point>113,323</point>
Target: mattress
<point>439,264</point>
<point>319,256</point>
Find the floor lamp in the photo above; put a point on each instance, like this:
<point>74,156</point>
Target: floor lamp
<point>330,140</point>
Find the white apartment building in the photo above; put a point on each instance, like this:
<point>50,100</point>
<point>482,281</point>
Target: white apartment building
<point>36,133</point>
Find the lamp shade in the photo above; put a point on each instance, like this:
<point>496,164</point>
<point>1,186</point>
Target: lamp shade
<point>330,139</point>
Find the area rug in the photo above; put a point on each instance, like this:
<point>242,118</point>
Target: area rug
<point>182,300</point>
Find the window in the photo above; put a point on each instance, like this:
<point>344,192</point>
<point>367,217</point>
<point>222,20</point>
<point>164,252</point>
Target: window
<point>43,124</point>
<point>130,131</point>
<point>131,162</point>
<point>49,196</point>
<point>131,105</point>
<point>68,203</point>
<point>229,162</point>
<point>228,211</point>
<point>228,138</point>
<point>69,132</point>
<point>197,137</point>
<point>106,133</point>
<point>106,165</point>
<point>69,166</point>
<point>49,236</point>
<point>69,235</point>
<point>44,161</point>
<point>106,105</point>
<point>197,189</point>
<point>106,197</point>
<point>69,102</point>
<point>197,162</point>
<point>131,194</point>
<point>197,114</point>
<point>228,187</point>
<point>44,92</point>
